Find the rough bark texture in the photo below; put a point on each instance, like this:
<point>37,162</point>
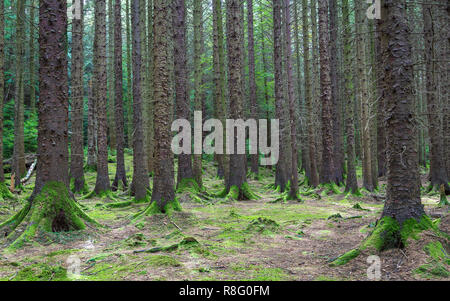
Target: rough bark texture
<point>163,182</point>
<point>111,77</point>
<point>251,77</point>
<point>237,170</point>
<point>351,184</point>
<point>220,105</point>
<point>140,176</point>
<point>198,74</point>
<point>129,80</point>
<point>76,145</point>
<point>181,82</point>
<point>290,88</point>
<point>314,176</point>
<point>403,181</point>
<point>338,151</point>
<point>120,140</point>
<point>149,103</point>
<point>328,174</point>
<point>19,168</point>
<point>91,130</point>
<point>438,173</point>
<point>31,45</point>
<point>102,183</point>
<point>380,82</point>
<point>53,108</point>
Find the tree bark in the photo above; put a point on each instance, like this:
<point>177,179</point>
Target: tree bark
<point>111,77</point>
<point>2,83</point>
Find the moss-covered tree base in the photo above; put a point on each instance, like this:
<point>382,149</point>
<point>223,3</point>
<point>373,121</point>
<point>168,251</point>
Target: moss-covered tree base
<point>389,234</point>
<point>330,188</point>
<point>103,195</point>
<point>5,193</point>
<point>52,210</point>
<point>196,193</point>
<point>153,209</point>
<point>244,193</point>
<point>82,191</point>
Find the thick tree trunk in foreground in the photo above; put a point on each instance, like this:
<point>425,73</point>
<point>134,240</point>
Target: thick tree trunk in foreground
<point>118,72</point>
<point>163,193</point>
<point>2,83</point>
<point>102,183</point>
<point>328,174</point>
<point>380,83</point>
<point>140,181</point>
<point>237,175</point>
<point>403,181</point>
<point>76,150</point>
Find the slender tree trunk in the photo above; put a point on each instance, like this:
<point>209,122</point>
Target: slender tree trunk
<point>403,181</point>
<point>118,73</point>
<point>163,183</point>
<point>281,177</point>
<point>351,184</point>
<point>91,130</point>
<point>251,77</point>
<point>198,74</point>
<point>111,77</point>
<point>149,104</point>
<point>181,82</point>
<point>309,98</point>
<point>380,82</point>
<point>140,181</point>
<point>2,83</point>
<point>18,168</point>
<point>77,149</point>
<point>102,183</point>
<point>438,173</point>
<point>32,59</point>
<point>335,95</point>
<point>290,88</point>
<point>129,80</point>
<point>326,94</point>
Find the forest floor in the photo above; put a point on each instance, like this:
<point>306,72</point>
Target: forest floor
<point>237,240</point>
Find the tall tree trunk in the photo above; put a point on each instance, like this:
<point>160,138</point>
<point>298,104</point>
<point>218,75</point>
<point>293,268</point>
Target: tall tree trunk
<point>363,96</point>
<point>220,104</point>
<point>2,83</point>
<point>351,184</point>
<point>281,177</point>
<point>163,193</point>
<point>403,181</point>
<point>309,98</point>
<point>149,104</point>
<point>335,95</point>
<point>111,78</point>
<point>18,168</point>
<point>140,181</point>
<point>77,149</point>
<point>118,81</point>
<point>91,163</point>
<point>290,88</point>
<point>380,82</point>
<point>438,173</point>
<point>102,183</point>
<point>198,74</point>
<point>185,171</point>
<point>32,68</point>
<point>251,77</point>
<point>129,80</point>
<point>237,176</point>
<point>328,175</point>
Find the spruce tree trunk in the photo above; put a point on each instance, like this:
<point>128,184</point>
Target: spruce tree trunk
<point>380,46</point>
<point>2,83</point>
<point>129,80</point>
<point>291,101</point>
<point>181,82</point>
<point>32,59</point>
<point>251,77</point>
<point>77,150</point>
<point>281,178</point>
<point>18,168</point>
<point>140,181</point>
<point>102,183</point>
<point>328,166</point>
<point>92,130</point>
<point>403,180</point>
<point>149,104</point>
<point>351,184</point>
<point>118,81</point>
<point>237,169</point>
<point>163,193</point>
<point>438,172</point>
<point>309,98</point>
<point>198,74</point>
<point>111,77</point>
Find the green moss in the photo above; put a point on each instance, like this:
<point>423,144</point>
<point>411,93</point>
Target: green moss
<point>188,185</point>
<point>345,258</point>
<point>153,209</point>
<point>263,225</point>
<point>437,251</point>
<point>62,252</point>
<point>5,193</point>
<point>41,272</point>
<point>162,261</point>
<point>358,207</point>
<point>432,270</point>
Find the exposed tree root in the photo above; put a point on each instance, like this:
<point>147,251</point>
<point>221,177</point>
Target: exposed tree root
<point>331,188</point>
<point>443,197</point>
<point>5,193</point>
<point>103,195</point>
<point>153,209</point>
<point>52,210</point>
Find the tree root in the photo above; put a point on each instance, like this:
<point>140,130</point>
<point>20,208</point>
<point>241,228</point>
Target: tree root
<point>153,209</point>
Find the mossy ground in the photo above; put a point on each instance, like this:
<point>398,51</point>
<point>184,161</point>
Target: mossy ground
<point>216,239</point>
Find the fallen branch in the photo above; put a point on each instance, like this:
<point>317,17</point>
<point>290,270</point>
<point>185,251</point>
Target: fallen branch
<point>29,173</point>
